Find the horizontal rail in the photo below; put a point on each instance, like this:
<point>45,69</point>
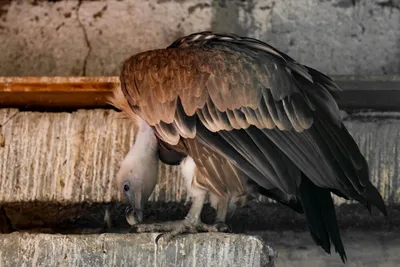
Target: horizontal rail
<point>56,92</point>
<point>369,92</point>
<point>359,92</point>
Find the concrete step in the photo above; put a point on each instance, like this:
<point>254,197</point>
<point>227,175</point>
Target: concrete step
<point>73,157</point>
<point>208,250</point>
<point>291,248</point>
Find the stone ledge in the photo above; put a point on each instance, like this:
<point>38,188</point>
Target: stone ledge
<point>206,249</point>
<point>73,157</point>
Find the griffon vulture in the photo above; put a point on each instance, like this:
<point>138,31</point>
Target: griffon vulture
<point>139,170</point>
<point>241,108</point>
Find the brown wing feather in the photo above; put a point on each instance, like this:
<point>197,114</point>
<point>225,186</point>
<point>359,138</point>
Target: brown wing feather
<point>220,177</point>
<point>229,84</point>
<point>118,100</point>
<point>196,79</point>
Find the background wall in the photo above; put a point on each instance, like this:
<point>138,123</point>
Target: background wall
<point>94,37</point>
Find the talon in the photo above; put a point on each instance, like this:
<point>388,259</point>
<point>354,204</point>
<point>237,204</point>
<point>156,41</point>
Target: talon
<point>158,238</point>
<point>166,236</point>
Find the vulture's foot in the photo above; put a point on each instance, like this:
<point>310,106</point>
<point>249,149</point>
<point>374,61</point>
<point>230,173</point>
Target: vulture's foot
<point>175,228</point>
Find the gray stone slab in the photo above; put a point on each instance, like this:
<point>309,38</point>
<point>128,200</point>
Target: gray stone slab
<point>198,250</point>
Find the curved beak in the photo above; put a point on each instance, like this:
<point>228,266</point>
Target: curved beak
<point>133,216</point>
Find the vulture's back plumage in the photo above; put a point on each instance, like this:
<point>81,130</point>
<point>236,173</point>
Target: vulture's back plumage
<point>273,119</point>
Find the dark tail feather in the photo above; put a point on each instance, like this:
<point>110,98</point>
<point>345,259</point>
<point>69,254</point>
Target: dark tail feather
<point>374,197</point>
<point>321,217</point>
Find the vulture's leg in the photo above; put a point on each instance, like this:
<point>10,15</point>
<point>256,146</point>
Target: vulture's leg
<point>191,224</point>
<point>221,206</point>
<point>222,210</point>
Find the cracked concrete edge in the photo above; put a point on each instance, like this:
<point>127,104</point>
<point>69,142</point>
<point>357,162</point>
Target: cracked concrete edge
<point>73,157</point>
<point>94,37</point>
<point>208,249</point>
<point>89,46</point>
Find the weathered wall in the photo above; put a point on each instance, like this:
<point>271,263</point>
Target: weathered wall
<point>94,37</point>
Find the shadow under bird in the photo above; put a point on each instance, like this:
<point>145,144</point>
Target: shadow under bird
<point>240,117</point>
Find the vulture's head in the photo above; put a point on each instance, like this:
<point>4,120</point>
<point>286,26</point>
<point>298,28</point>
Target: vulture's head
<point>137,176</point>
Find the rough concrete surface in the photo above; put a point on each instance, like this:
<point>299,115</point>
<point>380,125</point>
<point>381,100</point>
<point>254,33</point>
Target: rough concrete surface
<point>209,250</point>
<point>289,249</point>
<point>378,136</point>
<point>364,249</point>
<point>73,157</point>
<point>94,37</point>
<point>69,157</point>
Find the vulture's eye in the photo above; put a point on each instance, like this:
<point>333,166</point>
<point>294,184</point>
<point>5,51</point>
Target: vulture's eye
<point>126,187</point>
